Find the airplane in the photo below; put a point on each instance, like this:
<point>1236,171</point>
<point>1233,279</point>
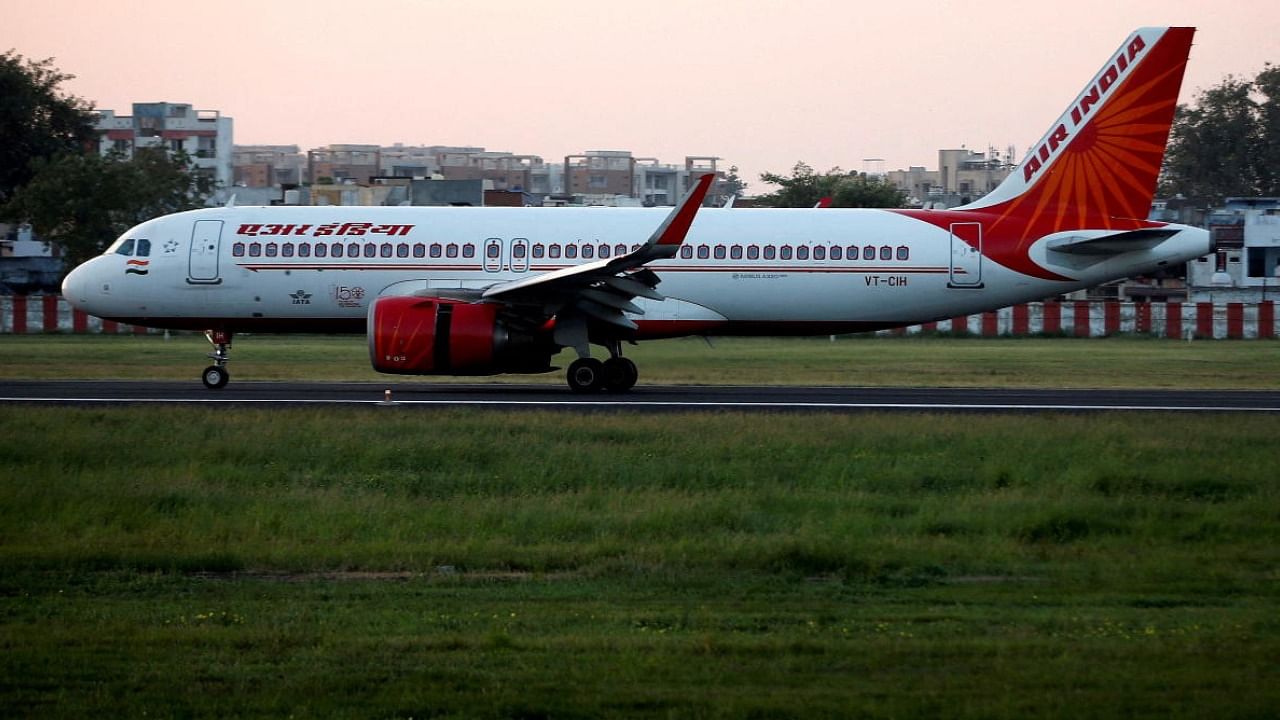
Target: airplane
<point>480,291</point>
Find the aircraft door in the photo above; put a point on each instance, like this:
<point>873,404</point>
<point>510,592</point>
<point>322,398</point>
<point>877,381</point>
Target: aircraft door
<point>519,254</point>
<point>493,255</point>
<point>206,241</point>
<point>966,255</point>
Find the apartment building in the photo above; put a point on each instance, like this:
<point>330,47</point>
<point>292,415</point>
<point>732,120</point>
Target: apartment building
<point>205,135</point>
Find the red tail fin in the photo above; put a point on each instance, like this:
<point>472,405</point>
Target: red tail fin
<point>1101,159</point>
<point>1096,167</point>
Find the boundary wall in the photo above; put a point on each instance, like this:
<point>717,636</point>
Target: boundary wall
<point>30,314</point>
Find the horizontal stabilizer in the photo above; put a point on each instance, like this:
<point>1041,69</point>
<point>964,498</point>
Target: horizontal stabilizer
<point>1110,243</point>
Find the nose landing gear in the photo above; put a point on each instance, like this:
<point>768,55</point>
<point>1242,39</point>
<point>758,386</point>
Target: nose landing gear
<point>215,376</point>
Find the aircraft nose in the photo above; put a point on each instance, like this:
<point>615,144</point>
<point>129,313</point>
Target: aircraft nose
<point>75,287</point>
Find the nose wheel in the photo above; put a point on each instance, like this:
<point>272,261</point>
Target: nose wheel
<point>215,377</point>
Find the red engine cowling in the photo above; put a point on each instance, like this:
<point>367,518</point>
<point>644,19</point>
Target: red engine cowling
<point>433,336</point>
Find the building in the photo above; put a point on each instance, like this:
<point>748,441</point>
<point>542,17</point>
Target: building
<point>204,135</point>
<point>613,177</point>
<point>1246,266</point>
<point>962,177</point>
<point>340,163</point>
<point>267,166</point>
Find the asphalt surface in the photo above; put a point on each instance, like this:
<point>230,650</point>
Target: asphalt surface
<point>643,398</point>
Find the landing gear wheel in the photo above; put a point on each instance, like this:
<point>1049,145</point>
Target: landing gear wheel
<point>586,375</point>
<point>620,374</point>
<point>215,377</point>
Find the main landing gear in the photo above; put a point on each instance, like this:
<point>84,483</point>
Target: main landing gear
<point>615,375</point>
<point>215,376</point>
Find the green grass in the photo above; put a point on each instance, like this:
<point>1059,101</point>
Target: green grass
<point>917,361</point>
<point>393,563</point>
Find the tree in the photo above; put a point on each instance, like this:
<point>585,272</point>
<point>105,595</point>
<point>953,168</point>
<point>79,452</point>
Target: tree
<point>82,202</point>
<point>1267,84</point>
<point>732,185</point>
<point>1228,142</point>
<point>806,187</point>
<point>37,120</point>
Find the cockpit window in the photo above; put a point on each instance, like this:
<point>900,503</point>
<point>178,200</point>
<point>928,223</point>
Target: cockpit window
<point>125,248</point>
<point>144,248</point>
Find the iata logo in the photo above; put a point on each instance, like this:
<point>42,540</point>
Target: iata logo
<point>302,297</point>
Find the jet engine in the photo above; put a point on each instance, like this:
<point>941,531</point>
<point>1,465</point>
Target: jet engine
<point>437,336</point>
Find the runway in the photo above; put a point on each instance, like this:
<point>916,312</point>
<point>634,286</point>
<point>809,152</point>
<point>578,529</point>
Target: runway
<point>641,399</point>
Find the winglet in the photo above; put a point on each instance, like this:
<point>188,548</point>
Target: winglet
<point>823,203</point>
<point>672,230</point>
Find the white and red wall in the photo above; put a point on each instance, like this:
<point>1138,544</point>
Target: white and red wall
<point>29,314</point>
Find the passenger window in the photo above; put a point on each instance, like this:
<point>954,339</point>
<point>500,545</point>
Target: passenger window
<point>237,250</point>
<point>686,251</point>
<point>370,250</point>
<point>619,249</point>
<point>539,250</point>
<point>735,252</point>
<point>419,250</point>
<point>272,249</point>
<point>468,250</point>
<point>385,250</point>
<point>144,248</point>
<point>604,251</point>
<point>853,253</point>
<point>451,250</point>
<point>753,252</point>
<point>286,250</point>
<point>802,252</point>
<point>304,249</point>
<point>517,252</point>
<point>835,252</point>
<point>126,248</point>
<point>820,253</point>
<point>588,251</point>
<point>903,252</point>
<point>322,250</point>
<point>402,250</point>
<point>571,252</point>
<point>786,253</point>
<point>886,252</point>
<point>492,252</point>
<point>335,250</point>
<point>255,249</point>
<point>719,252</point>
<point>353,250</point>
<point>553,251</point>
<point>869,252</point>
<point>704,252</point>
<point>770,252</point>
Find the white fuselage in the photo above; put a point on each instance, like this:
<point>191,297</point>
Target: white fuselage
<point>743,271</point>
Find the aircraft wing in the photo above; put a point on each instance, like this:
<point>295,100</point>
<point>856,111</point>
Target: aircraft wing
<point>603,290</point>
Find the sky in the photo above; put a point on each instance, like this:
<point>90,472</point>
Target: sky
<point>761,84</point>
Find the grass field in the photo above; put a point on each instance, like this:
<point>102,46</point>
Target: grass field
<point>393,563</point>
<point>916,361</point>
